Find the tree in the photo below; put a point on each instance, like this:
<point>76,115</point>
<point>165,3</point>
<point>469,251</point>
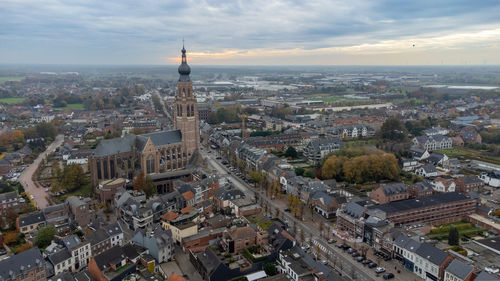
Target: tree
<point>150,186</point>
<point>363,249</point>
<point>44,236</point>
<point>73,177</point>
<point>10,238</point>
<point>270,269</point>
<point>393,129</point>
<point>453,237</point>
<point>291,152</point>
<point>11,217</point>
<point>333,167</point>
<point>140,182</point>
<point>23,247</point>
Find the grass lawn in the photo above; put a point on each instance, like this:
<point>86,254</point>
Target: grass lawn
<point>458,151</point>
<point>5,79</point>
<point>78,106</point>
<point>11,100</point>
<point>470,154</point>
<point>359,143</point>
<point>464,228</point>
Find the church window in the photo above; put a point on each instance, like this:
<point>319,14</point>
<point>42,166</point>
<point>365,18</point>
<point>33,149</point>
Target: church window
<point>150,164</point>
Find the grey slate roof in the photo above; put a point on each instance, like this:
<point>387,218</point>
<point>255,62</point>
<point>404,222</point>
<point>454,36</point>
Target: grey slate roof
<point>164,137</point>
<point>407,243</point>
<point>59,256</point>
<point>96,237</point>
<point>429,168</point>
<point>459,269</point>
<point>113,229</point>
<point>354,210</point>
<point>485,276</point>
<point>71,241</point>
<point>394,188</point>
<point>431,253</point>
<point>31,218</point>
<point>17,264</point>
<point>8,196</point>
<point>111,256</point>
<point>115,146</point>
<point>408,204</point>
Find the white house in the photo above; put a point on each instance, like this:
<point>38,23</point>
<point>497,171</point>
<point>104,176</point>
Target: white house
<point>428,262</point>
<point>491,179</point>
<point>427,171</point>
<point>433,142</point>
<point>443,185</point>
<point>410,164</point>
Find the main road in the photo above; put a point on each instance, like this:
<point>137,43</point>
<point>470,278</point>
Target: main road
<point>26,179</point>
<point>349,267</point>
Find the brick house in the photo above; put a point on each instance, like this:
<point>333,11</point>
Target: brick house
<point>80,210</point>
<point>390,192</point>
<point>28,265</point>
<point>420,189</point>
<point>468,183</point>
<point>239,238</point>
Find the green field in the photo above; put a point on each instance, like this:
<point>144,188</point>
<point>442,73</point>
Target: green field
<point>458,151</point>
<point>5,79</point>
<point>11,100</point>
<point>78,106</point>
<point>470,154</point>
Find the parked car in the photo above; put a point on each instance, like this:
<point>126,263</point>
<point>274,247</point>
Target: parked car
<point>379,269</point>
<point>351,250</point>
<point>355,254</point>
<point>388,276</point>
<point>2,252</point>
<point>325,262</point>
<point>331,241</point>
<point>360,259</point>
<point>367,261</point>
<point>372,265</point>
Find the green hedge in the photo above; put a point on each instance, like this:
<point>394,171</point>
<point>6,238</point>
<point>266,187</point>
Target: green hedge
<point>253,259</point>
<point>446,228</point>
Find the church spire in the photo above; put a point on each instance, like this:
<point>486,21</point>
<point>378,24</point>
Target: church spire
<point>184,69</point>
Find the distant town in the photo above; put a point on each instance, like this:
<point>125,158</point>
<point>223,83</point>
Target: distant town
<point>242,174</point>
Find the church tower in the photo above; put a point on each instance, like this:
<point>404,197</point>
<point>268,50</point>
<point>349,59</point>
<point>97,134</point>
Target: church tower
<point>186,109</point>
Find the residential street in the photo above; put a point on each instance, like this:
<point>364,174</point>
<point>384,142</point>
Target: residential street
<point>344,262</point>
<point>38,193</point>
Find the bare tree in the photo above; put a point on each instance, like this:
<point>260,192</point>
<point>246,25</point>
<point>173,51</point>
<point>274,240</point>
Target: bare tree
<point>363,249</point>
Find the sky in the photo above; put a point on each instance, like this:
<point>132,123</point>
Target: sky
<point>250,32</point>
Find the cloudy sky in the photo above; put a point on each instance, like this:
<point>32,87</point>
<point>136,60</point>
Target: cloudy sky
<point>251,32</point>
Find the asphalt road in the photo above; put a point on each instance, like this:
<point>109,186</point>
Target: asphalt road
<point>38,192</point>
<point>348,264</point>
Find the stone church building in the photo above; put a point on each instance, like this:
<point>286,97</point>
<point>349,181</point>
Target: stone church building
<point>162,155</point>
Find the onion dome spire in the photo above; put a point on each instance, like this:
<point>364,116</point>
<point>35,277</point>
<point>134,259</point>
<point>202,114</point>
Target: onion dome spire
<point>184,69</point>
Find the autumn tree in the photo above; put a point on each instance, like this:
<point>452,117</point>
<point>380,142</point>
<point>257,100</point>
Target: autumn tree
<point>140,182</point>
<point>333,167</point>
